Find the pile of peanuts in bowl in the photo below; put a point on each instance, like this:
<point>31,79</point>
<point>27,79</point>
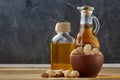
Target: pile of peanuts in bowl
<point>86,50</point>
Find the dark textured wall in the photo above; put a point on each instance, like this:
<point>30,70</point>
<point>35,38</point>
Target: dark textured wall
<point>27,26</point>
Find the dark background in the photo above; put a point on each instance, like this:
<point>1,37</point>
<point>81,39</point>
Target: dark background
<point>27,26</point>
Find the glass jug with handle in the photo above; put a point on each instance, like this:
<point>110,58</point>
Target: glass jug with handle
<point>87,34</point>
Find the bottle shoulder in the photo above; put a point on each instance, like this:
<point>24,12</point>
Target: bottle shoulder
<point>63,38</point>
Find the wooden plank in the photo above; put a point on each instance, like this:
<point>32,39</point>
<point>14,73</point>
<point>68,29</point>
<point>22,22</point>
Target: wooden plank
<point>34,74</point>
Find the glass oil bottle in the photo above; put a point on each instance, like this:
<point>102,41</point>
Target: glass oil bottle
<point>87,35</point>
<point>61,46</point>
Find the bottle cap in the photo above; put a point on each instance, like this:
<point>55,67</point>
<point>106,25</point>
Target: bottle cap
<point>63,27</point>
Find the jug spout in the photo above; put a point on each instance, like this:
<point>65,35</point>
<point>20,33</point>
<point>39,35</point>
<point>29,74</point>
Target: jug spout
<point>86,10</point>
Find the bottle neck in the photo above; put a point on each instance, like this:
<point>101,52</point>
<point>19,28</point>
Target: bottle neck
<point>86,19</point>
<point>60,33</point>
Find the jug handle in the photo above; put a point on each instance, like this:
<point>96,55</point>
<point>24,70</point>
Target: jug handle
<point>97,25</point>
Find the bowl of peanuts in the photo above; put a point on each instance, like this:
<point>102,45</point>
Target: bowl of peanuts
<point>87,60</point>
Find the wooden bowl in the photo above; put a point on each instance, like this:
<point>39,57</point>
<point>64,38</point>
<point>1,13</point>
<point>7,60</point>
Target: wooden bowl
<point>87,65</point>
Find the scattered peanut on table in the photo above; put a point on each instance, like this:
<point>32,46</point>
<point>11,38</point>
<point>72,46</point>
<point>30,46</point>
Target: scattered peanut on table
<point>60,73</point>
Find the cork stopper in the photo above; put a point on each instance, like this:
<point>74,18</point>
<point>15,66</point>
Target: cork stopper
<point>63,27</point>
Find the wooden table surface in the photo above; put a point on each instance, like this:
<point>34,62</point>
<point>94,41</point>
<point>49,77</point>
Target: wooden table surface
<point>34,74</point>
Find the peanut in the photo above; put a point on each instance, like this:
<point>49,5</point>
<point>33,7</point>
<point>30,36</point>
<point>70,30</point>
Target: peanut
<point>67,73</point>
<point>74,74</point>
<point>44,75</point>
<point>87,48</point>
<point>59,73</point>
<point>89,53</point>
